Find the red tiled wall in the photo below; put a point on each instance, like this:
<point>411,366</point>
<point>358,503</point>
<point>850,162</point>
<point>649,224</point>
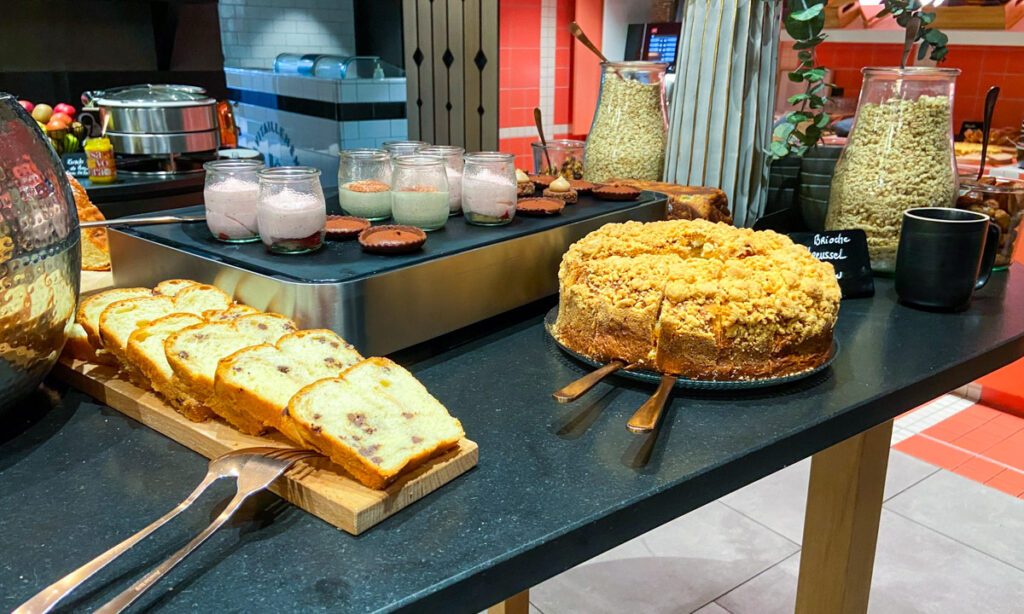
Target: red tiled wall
<point>519,40</point>
<point>982,67</point>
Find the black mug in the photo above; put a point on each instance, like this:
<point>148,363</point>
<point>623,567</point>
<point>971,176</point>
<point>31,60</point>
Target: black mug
<point>944,255</point>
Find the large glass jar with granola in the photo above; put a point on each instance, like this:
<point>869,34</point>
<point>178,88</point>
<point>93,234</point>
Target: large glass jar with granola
<point>899,156</point>
<point>630,129</point>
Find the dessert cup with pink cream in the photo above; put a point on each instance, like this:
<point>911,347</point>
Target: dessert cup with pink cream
<point>291,210</point>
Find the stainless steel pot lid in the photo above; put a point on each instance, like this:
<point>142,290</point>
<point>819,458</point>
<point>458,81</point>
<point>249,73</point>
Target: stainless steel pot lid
<point>150,95</point>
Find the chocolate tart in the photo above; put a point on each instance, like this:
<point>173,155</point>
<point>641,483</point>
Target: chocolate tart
<point>539,206</point>
<point>541,182</point>
<point>392,239</point>
<point>344,227</point>
<point>582,187</point>
<point>616,192</point>
<point>568,197</point>
<point>524,188</point>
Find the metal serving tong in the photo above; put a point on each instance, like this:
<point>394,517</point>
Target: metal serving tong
<point>646,419</point>
<point>254,468</point>
<point>144,221</point>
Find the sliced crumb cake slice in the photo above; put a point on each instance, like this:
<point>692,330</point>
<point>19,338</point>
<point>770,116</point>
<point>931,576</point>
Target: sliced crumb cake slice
<point>264,378</point>
<point>193,354</point>
<point>375,421</point>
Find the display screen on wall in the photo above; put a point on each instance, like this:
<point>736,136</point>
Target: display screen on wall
<point>661,42</point>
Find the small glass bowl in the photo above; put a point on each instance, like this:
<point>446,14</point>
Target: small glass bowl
<point>1002,200</point>
<point>566,158</point>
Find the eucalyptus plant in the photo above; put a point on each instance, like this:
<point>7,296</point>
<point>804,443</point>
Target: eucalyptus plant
<point>804,21</point>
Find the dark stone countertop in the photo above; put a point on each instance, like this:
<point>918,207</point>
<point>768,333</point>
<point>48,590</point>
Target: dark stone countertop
<point>556,484</point>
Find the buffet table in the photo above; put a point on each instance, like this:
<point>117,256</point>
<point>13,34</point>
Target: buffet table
<point>555,485</point>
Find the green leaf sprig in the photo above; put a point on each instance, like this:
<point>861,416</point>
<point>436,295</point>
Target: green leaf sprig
<point>805,21</point>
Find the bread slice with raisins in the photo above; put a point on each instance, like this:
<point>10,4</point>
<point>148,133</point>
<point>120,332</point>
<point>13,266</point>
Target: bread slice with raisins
<point>262,379</point>
<point>171,287</point>
<point>194,352</point>
<point>198,298</point>
<point>376,420</point>
<point>145,352</point>
<point>89,311</point>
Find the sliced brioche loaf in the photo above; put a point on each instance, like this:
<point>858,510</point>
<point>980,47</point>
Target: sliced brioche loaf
<point>79,348</point>
<point>91,308</point>
<point>172,287</point>
<point>145,351</point>
<point>198,298</point>
<point>193,354</point>
<point>262,379</point>
<point>376,420</point>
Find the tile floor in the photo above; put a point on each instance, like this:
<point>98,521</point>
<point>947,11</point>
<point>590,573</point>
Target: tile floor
<point>949,541</point>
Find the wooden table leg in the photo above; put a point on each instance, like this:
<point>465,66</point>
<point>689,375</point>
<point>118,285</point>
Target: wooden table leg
<point>844,503</point>
<point>516,604</point>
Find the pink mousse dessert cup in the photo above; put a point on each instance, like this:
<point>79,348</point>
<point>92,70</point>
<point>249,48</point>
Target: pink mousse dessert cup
<point>291,211</point>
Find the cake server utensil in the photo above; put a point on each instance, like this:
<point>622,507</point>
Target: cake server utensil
<point>646,418</point>
<point>576,389</point>
<point>144,221</point>
<point>254,473</point>
<point>226,465</point>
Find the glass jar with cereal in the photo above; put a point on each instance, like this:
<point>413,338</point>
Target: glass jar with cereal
<point>899,156</point>
<point>630,129</point>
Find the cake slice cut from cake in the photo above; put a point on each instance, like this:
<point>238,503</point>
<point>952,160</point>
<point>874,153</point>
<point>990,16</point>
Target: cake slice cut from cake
<point>263,378</point>
<point>89,311</point>
<point>193,354</point>
<point>688,332</point>
<point>375,421</point>
<point>145,352</point>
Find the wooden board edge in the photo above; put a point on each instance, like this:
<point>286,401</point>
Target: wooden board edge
<point>307,486</point>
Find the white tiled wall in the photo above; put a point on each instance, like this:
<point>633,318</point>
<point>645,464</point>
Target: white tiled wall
<point>253,32</point>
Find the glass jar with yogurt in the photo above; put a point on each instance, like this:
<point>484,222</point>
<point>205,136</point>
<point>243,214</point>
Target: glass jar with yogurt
<point>364,183</point>
<point>489,188</point>
<point>290,209</point>
<point>453,164</point>
<point>403,148</point>
<point>420,192</point>
<point>230,197</point>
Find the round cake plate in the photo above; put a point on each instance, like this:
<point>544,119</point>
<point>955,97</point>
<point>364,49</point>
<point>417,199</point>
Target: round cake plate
<point>653,377</point>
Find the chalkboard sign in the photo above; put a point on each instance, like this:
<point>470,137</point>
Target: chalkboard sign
<point>847,251</point>
<point>74,163</point>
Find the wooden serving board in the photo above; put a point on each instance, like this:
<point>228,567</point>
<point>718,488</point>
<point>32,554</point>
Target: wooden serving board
<point>316,485</point>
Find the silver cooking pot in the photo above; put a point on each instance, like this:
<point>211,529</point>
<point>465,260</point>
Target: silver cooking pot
<point>154,109</point>
<point>40,258</point>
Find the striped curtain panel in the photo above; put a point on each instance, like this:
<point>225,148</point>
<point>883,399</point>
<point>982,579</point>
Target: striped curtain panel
<point>451,67</point>
<point>721,108</point>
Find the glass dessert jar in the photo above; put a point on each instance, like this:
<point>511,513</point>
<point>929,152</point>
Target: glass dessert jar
<point>420,195</point>
<point>290,209</point>
<point>453,164</point>
<point>1003,201</point>
<point>566,156</point>
<point>403,148</point>
<point>489,188</point>
<point>230,198</point>
<point>630,129</point>
<point>899,156</point>
<point>364,183</point>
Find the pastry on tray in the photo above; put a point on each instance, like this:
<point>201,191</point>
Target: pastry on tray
<point>561,190</point>
<point>524,187</point>
<point>344,227</point>
<point>392,239</point>
<point>540,206</point>
<point>581,186</point>
<point>701,300</point>
<point>541,182</point>
<point>685,202</point>
<point>616,192</point>
<point>95,250</point>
